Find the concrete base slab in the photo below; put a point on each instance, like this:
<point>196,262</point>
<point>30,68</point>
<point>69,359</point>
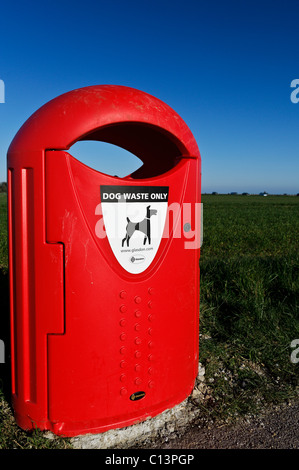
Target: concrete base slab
<point>169,422</point>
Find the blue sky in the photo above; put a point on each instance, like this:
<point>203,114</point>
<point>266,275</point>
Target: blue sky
<point>224,66</point>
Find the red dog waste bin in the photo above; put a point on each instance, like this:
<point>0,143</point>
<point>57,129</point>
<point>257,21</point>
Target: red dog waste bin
<point>104,271</point>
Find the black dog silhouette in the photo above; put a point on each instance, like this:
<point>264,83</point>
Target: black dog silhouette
<point>143,226</point>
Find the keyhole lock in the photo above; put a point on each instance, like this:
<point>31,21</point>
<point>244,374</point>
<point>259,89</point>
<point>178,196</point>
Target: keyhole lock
<point>187,227</point>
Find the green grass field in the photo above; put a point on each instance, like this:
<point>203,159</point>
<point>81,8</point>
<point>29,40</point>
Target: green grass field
<point>249,300</point>
<point>249,308</point>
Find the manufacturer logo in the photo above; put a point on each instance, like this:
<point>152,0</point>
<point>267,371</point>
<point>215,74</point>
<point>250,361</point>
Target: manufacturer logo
<point>137,259</point>
<point>137,396</point>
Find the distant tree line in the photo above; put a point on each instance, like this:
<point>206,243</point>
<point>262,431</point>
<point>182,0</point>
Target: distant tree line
<point>248,194</point>
<point>3,189</point>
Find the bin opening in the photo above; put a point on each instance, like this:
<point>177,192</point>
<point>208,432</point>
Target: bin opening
<point>158,150</point>
<point>105,158</point>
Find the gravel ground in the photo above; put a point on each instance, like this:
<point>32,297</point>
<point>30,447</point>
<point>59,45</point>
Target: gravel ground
<point>278,428</point>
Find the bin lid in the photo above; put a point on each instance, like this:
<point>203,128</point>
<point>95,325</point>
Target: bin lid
<point>120,115</point>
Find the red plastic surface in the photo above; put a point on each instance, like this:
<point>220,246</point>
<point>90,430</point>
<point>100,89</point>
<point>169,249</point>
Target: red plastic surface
<point>87,334</point>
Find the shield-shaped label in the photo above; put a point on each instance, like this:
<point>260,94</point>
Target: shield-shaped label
<point>134,220</point>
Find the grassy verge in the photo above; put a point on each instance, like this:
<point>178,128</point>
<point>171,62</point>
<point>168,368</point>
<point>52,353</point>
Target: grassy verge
<point>249,316</point>
<point>249,302</point>
<point>12,437</point>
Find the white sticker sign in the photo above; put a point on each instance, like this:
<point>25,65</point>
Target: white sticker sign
<point>134,220</point>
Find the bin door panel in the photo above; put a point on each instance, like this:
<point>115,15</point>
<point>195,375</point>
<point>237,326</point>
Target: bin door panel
<point>130,341</point>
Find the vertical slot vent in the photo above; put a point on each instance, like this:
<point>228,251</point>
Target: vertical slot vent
<point>12,277</point>
<point>28,284</point>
